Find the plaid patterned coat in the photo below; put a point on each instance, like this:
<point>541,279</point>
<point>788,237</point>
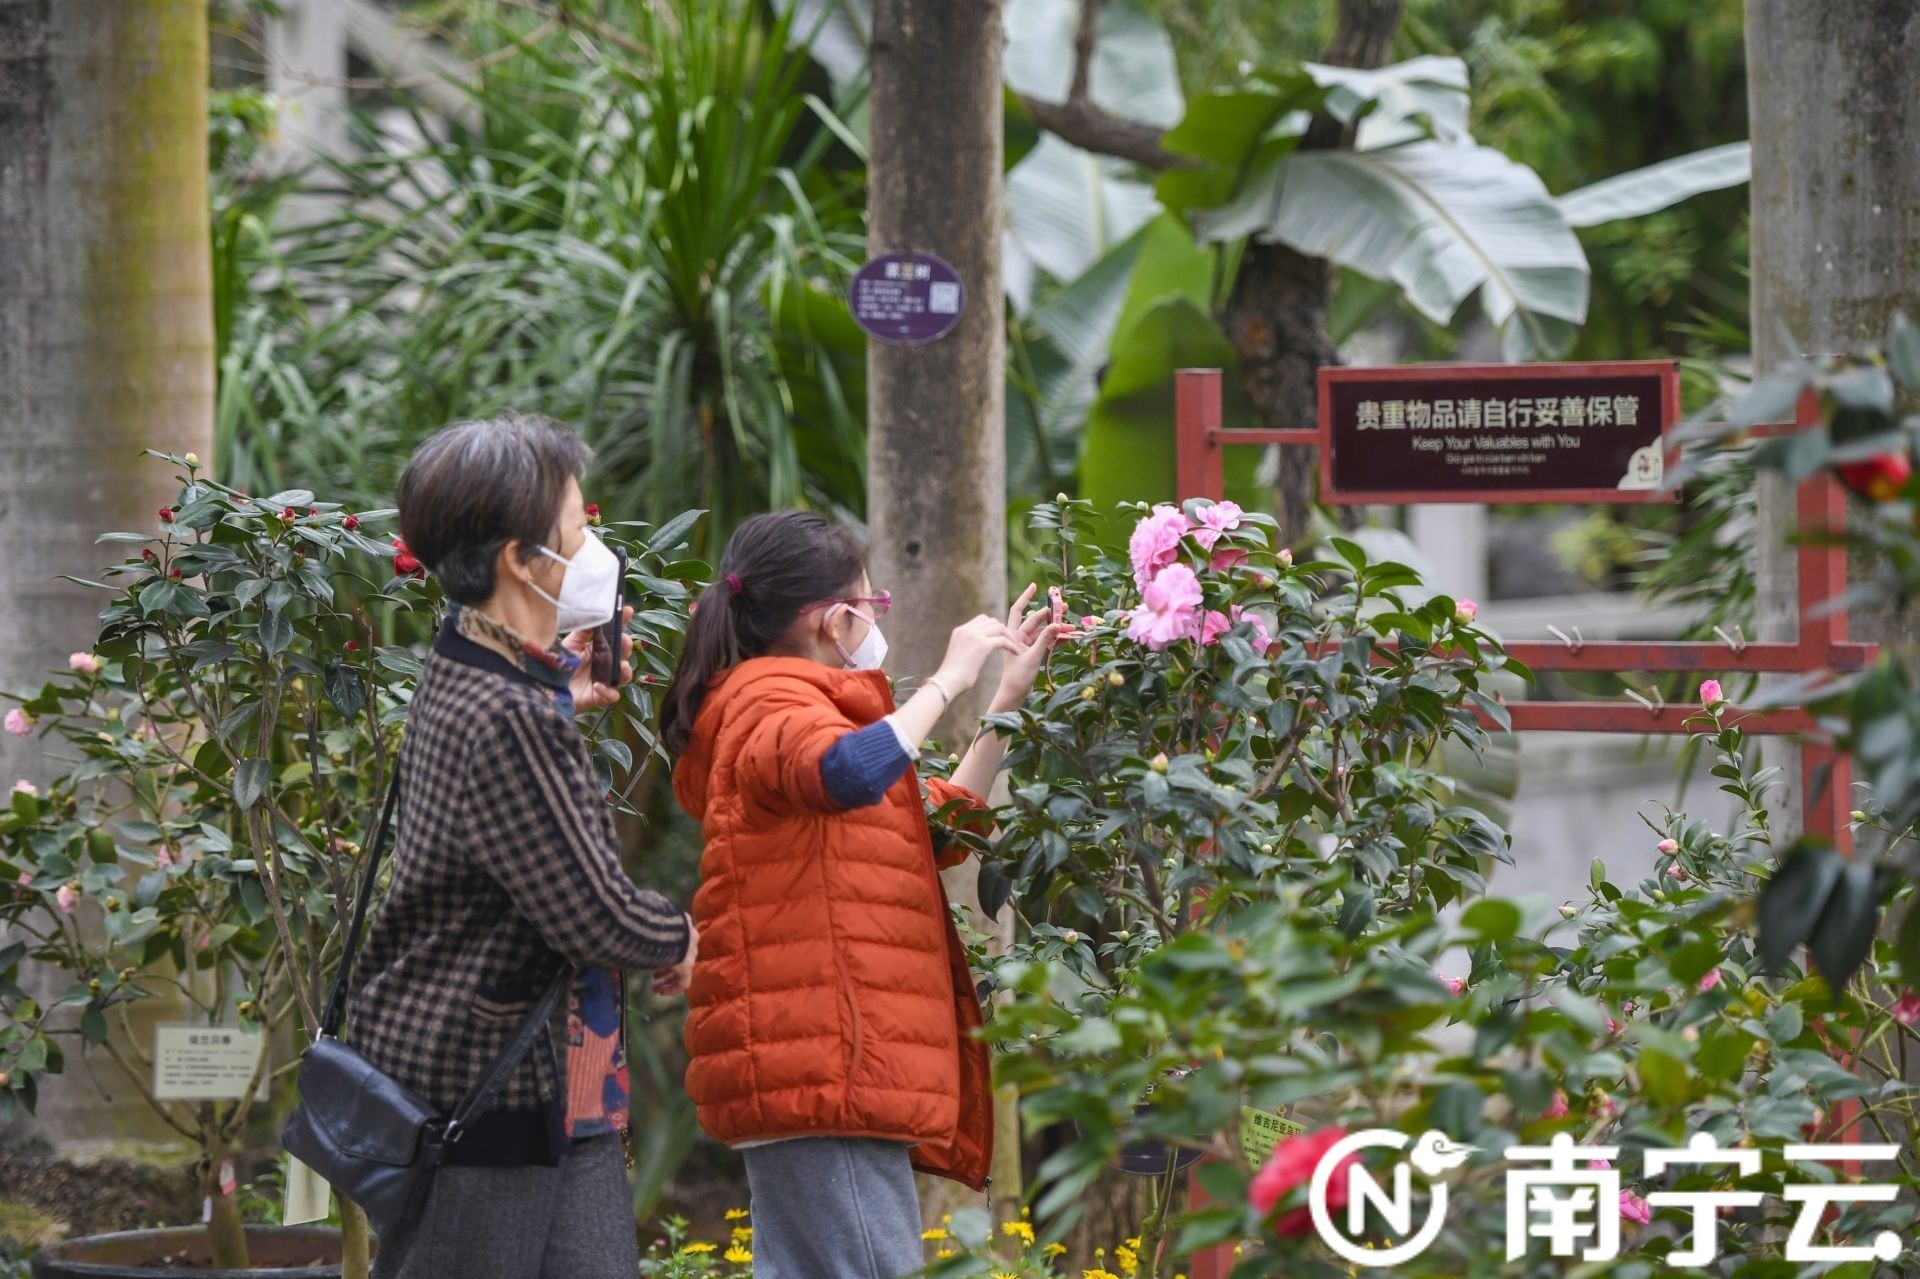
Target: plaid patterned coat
<point>504,869</point>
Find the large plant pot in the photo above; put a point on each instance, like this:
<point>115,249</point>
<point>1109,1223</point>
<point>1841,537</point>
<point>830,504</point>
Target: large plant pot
<point>283,1252</point>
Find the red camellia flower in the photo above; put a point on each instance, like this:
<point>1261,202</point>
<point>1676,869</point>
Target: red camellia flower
<point>313,510</point>
<point>1878,479</point>
<point>148,555</point>
<point>289,515</point>
<point>404,563</point>
<point>593,512</point>
<point>350,523</point>
<point>1291,1167</point>
<point>166,515</point>
<point>353,646</point>
<point>174,575</point>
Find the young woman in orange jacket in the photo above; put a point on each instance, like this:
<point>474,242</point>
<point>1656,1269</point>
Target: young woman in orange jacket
<point>832,1013</point>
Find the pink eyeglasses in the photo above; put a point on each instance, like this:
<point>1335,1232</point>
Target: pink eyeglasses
<point>880,602</point>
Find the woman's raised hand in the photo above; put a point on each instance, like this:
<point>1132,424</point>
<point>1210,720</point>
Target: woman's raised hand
<point>973,642</point>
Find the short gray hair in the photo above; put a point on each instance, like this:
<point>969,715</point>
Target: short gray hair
<point>475,486</point>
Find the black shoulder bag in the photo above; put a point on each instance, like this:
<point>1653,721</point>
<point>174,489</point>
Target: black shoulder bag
<point>369,1137</point>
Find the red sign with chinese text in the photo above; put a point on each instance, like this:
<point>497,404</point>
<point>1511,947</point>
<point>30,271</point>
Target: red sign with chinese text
<point>1591,432</point>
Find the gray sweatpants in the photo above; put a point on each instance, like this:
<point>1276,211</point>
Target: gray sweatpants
<point>833,1208</point>
<point>574,1221</point>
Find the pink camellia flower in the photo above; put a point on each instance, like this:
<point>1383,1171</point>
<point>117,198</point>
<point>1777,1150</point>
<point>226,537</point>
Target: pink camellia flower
<point>19,723</point>
<point>1215,624</point>
<point>1456,986</point>
<point>1906,1009</point>
<point>1634,1208</point>
<point>1710,695</point>
<point>1676,871</point>
<point>1156,543</point>
<point>1603,1103</point>
<point>1291,1167</point>
<point>1558,1110</point>
<point>85,663</point>
<point>1464,611</point>
<point>68,898</point>
<point>1285,557</point>
<point>165,855</point>
<point>1614,1027</point>
<point>1668,847</point>
<point>1089,622</point>
<point>1711,980</point>
<point>1221,517</point>
<point>1170,610</point>
<point>1225,558</point>
<point>25,787</point>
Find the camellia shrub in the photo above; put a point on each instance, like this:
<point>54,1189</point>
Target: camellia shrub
<point>225,746</point>
<point>1242,879</point>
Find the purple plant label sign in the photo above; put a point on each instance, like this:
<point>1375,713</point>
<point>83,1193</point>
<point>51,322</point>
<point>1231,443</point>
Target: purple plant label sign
<point>907,298</point>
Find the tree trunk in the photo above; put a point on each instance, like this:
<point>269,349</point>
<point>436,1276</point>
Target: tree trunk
<point>936,479</point>
<point>355,1237</point>
<point>106,345</point>
<point>1834,109</point>
<point>106,314</point>
<point>1276,316</point>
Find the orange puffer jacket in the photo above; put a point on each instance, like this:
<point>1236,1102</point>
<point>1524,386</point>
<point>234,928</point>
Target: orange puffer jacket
<point>832,995</point>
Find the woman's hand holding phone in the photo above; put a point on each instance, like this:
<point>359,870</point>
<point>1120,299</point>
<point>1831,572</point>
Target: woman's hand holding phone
<point>589,693</point>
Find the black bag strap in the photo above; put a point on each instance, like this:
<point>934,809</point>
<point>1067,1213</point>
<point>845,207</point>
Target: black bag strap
<point>337,1001</point>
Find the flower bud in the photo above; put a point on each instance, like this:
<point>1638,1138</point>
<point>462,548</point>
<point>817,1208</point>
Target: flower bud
<point>1158,763</point>
<point>1858,815</point>
<point>95,986</point>
<point>128,974</point>
<point>166,515</point>
<point>289,515</point>
<point>192,459</point>
<point>1115,679</point>
<point>1285,557</point>
<point>1568,912</point>
<point>1668,847</point>
<point>1464,611</point>
<point>173,575</point>
<point>6,1078</point>
<point>352,646</point>
<point>350,523</point>
<point>1070,937</point>
<point>1061,497</point>
<point>1088,693</point>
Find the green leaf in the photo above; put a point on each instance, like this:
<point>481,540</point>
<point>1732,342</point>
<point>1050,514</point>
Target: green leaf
<point>1907,947</point>
<point>1793,899</point>
<point>345,689</point>
<point>1664,1077</point>
<point>1493,918</point>
<point>93,1026</point>
<point>1439,221</point>
<point>1843,937</point>
<point>1658,186</point>
<point>250,782</point>
<point>673,533</point>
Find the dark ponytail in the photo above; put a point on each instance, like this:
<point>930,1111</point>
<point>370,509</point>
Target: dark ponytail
<point>774,566</point>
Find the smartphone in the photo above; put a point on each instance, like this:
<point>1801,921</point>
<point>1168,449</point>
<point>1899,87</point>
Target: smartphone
<point>606,640</point>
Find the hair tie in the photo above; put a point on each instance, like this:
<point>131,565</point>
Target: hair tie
<point>733,583</point>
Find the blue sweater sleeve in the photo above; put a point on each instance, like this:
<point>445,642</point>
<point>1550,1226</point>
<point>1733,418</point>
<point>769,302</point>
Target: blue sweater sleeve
<point>858,769</point>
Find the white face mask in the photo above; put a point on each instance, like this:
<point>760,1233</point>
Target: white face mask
<point>869,652</point>
<point>587,587</point>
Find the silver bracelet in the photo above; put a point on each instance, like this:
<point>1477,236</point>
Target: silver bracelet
<point>936,682</point>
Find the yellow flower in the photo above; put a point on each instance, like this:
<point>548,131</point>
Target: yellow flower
<point>1128,1259</point>
<point>738,1214</point>
<point>944,1252</point>
<point>739,1256</point>
<point>743,1234</point>
<point>1018,1230</point>
<point>1098,1274</point>
<point>1054,1250</point>
<point>934,1234</point>
<point>694,1249</point>
<point>1005,1274</point>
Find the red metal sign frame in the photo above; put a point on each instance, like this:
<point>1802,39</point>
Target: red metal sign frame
<point>1821,646</point>
<point>1666,371</point>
